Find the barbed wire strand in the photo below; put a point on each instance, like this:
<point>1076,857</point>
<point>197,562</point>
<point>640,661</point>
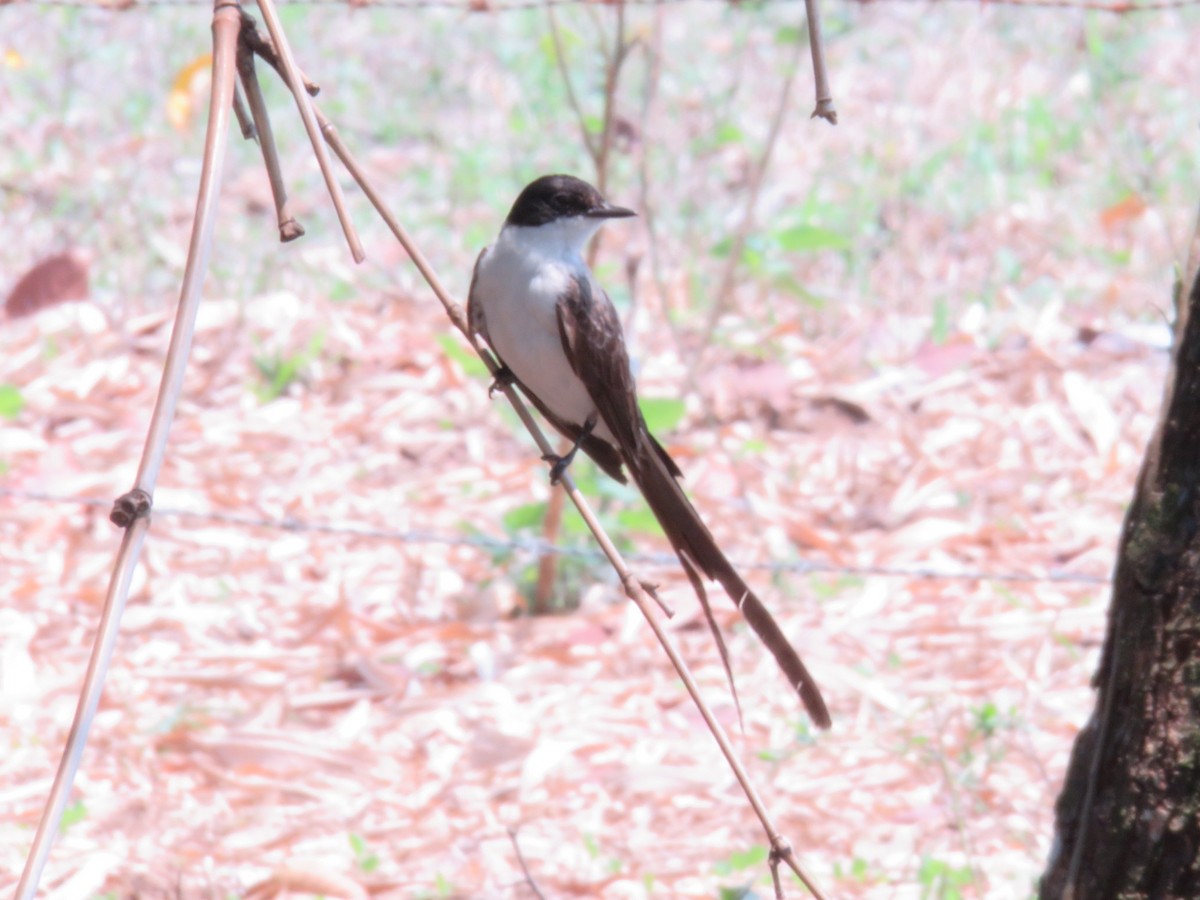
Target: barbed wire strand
<point>539,547</point>
<point>488,7</point>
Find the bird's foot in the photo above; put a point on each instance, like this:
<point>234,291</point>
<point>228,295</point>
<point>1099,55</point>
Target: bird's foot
<point>560,464</point>
<point>504,378</point>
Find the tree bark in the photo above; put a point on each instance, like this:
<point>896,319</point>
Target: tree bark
<point>1128,818</point>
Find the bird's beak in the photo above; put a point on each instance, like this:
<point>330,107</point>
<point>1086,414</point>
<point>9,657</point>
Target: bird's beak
<point>608,211</point>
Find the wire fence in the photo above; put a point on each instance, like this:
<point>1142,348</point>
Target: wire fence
<point>501,6</point>
<point>541,548</point>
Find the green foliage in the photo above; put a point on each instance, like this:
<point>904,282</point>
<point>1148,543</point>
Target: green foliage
<point>611,864</point>
<point>662,414</point>
<point>526,516</point>
<point>745,892</point>
<point>941,881</point>
<point>859,871</point>
<point>827,587</point>
<point>804,238</point>
<point>11,401</point>
<point>741,860</point>
<point>280,371</point>
<point>939,328</point>
<point>988,720</point>
<point>365,858</point>
<point>470,363</point>
<point>639,520</point>
<point>73,815</point>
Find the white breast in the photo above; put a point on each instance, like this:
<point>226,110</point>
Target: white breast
<point>517,287</point>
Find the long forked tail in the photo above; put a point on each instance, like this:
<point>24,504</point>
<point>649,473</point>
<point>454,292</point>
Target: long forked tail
<point>654,471</point>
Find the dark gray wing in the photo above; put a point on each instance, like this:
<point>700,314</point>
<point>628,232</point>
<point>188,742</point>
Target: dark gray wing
<point>607,457</point>
<point>594,343</point>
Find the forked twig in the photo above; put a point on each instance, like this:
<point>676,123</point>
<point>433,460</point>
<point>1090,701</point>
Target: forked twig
<point>295,83</point>
<point>289,228</point>
<point>132,510</point>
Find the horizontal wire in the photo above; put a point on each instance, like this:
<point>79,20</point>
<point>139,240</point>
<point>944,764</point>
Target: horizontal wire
<point>542,548</point>
<point>486,6</point>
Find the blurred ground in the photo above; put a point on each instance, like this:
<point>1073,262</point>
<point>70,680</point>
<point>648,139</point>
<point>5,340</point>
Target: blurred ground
<point>943,356</point>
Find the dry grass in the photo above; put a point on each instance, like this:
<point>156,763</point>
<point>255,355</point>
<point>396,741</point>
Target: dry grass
<point>331,712</point>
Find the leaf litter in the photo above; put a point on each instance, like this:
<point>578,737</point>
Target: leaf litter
<point>276,691</point>
<point>333,711</point>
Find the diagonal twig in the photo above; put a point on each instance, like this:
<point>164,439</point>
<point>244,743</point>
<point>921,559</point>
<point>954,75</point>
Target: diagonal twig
<point>635,589</point>
<point>289,228</point>
<point>529,879</point>
<point>295,83</point>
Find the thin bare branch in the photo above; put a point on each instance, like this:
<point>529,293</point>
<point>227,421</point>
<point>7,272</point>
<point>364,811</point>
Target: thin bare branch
<point>560,58</point>
<point>547,564</point>
<point>529,880</point>
<point>721,299</point>
<point>132,510</point>
<point>824,108</point>
<point>85,710</point>
<point>245,123</point>
<point>296,85</point>
<point>289,228</point>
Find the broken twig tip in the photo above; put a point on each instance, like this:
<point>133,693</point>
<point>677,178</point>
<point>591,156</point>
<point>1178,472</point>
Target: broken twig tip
<point>825,111</point>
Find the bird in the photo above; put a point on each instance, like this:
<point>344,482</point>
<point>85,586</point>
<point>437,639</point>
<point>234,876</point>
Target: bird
<point>557,336</point>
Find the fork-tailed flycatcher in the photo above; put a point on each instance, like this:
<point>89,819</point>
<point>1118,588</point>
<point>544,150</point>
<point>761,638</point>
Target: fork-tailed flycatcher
<point>558,337</point>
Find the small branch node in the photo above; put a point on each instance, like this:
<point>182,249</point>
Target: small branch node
<point>652,591</point>
<point>130,507</point>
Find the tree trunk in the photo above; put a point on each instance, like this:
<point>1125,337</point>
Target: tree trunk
<point>1128,818</point>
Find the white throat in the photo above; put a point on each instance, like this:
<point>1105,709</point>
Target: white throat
<point>562,239</point>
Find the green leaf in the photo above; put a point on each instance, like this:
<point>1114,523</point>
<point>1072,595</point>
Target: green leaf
<point>858,869</point>
<point>810,239</point>
<point>789,34</point>
<point>11,401</point>
<point>640,520</point>
<point>662,413</point>
<point>746,859</point>
<point>728,133</point>
<point>528,516</point>
<point>939,328</point>
<point>741,860</point>
<point>721,248</point>
<point>470,363</point>
<point>73,815</point>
